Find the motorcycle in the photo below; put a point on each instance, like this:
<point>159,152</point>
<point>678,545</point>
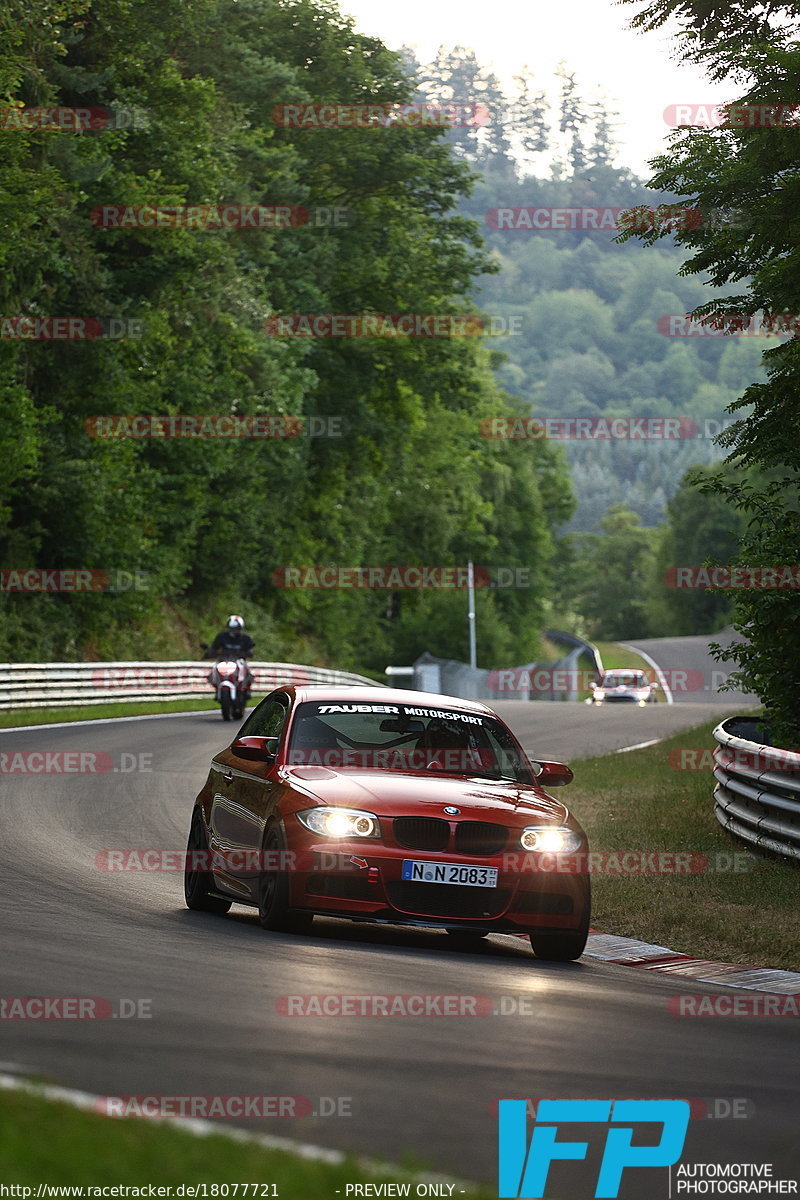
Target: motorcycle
<point>231,681</point>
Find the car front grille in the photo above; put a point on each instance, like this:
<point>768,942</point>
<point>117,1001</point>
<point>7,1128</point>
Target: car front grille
<point>466,837</point>
<point>343,887</point>
<point>444,900</point>
<point>544,902</point>
<point>479,837</point>
<point>422,833</point>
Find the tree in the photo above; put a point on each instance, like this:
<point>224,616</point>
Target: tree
<point>209,521</point>
<point>612,576</point>
<point>573,119</point>
<point>750,165</point>
<point>701,527</point>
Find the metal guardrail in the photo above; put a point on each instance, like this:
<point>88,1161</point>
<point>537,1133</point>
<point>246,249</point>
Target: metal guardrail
<point>577,644</point>
<point>757,804</point>
<point>59,685</point>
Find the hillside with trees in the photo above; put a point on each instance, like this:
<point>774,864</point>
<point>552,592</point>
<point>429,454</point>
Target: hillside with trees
<point>586,308</point>
<point>392,219</point>
<point>203,525</point>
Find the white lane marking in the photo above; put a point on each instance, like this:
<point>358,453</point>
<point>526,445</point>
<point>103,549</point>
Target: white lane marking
<point>638,746</point>
<point>201,1128</point>
<point>194,712</point>
<point>659,673</point>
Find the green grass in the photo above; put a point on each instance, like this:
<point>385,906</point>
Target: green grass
<point>42,1141</point>
<point>616,656</point>
<point>638,801</point>
<point>125,708</point>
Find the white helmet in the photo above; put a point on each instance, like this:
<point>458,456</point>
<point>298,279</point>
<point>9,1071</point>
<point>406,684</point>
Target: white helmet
<point>235,624</point>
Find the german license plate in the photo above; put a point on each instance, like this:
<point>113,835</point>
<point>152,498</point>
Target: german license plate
<point>417,871</point>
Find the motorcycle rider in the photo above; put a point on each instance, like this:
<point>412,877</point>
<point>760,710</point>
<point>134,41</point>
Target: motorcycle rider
<point>233,642</point>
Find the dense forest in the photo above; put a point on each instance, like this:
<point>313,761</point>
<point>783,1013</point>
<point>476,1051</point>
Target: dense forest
<point>586,308</point>
<point>385,462</point>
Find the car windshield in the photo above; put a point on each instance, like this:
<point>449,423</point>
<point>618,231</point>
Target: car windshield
<point>403,737</point>
<point>625,679</point>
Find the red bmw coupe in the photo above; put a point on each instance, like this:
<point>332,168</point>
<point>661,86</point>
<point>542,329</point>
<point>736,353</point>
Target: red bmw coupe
<point>376,804</point>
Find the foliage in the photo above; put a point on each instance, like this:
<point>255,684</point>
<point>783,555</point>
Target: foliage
<point>205,523</point>
<point>751,168</point>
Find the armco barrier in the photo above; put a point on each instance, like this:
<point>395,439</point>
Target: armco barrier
<point>759,805</point>
<point>576,643</point>
<point>58,685</point>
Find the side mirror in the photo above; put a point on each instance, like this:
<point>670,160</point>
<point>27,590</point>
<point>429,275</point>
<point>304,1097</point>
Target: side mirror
<point>552,774</point>
<point>256,749</point>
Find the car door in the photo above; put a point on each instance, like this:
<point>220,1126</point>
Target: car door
<point>244,795</point>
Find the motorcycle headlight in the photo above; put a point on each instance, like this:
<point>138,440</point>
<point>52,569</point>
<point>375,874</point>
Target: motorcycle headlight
<point>550,839</point>
<point>340,823</point>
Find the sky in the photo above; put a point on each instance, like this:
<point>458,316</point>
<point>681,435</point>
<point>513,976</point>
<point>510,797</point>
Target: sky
<point>637,72</point>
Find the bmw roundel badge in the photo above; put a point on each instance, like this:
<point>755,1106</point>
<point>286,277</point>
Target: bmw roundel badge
<point>451,811</point>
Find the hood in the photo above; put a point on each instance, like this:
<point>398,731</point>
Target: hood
<point>395,794</point>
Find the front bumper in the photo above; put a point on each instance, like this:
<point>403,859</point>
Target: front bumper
<point>526,898</point>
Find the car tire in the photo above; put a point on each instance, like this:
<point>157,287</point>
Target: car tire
<point>563,945</point>
<point>273,894</point>
<point>197,885</point>
<point>466,939</point>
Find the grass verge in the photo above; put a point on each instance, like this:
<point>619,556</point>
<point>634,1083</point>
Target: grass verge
<point>42,1141</point>
<point>638,801</point>
<point>11,718</point>
<point>615,656</point>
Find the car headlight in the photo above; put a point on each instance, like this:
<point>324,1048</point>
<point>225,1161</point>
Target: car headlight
<point>340,823</point>
<point>550,839</point>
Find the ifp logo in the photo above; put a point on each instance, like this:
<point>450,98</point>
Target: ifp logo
<point>523,1169</point>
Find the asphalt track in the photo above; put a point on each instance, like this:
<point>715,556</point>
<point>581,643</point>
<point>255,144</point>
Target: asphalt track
<point>420,1084</point>
<point>694,676</point>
